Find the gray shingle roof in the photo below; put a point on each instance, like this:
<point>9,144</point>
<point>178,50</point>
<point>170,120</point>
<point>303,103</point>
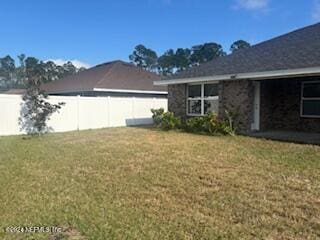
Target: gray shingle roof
<point>297,49</point>
<point>111,75</point>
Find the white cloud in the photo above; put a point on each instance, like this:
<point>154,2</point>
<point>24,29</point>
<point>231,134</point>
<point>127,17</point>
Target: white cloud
<point>252,4</point>
<point>316,11</point>
<point>75,62</point>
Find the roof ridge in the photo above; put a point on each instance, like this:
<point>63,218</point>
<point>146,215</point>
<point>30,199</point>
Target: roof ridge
<point>285,34</point>
<point>109,63</point>
<point>114,63</point>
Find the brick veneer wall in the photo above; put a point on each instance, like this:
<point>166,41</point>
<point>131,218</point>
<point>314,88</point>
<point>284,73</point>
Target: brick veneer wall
<point>177,99</point>
<point>279,110</point>
<point>280,106</point>
<point>237,98</point>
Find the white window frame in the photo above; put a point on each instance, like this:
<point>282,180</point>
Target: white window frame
<point>202,98</point>
<point>306,99</point>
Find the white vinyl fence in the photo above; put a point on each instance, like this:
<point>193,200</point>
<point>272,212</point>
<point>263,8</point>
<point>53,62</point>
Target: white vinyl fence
<point>81,113</point>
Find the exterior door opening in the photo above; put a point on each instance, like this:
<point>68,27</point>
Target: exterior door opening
<point>255,126</point>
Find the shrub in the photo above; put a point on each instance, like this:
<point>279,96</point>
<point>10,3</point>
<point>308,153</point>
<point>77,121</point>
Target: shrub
<point>225,129</point>
<point>157,115</point>
<point>165,120</point>
<point>210,124</point>
<point>195,124</point>
<point>230,117</point>
<point>169,121</point>
<point>36,110</point>
<point>204,124</point>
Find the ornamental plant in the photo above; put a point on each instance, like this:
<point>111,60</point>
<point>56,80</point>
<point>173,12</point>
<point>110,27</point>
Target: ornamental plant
<point>165,120</point>
<point>36,110</point>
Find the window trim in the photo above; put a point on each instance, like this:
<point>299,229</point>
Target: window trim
<point>306,99</point>
<point>202,98</point>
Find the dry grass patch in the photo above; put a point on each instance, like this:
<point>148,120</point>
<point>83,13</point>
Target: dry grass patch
<point>136,183</point>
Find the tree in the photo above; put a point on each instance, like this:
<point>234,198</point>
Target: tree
<point>50,71</point>
<point>240,44</point>
<point>182,59</point>
<point>36,110</point>
<point>166,63</point>
<point>53,72</point>
<point>7,72</point>
<point>81,69</point>
<point>174,61</point>
<point>206,52</point>
<point>69,69</point>
<point>144,57</point>
<point>12,76</point>
<point>21,72</point>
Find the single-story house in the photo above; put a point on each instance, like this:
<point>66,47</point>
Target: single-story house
<point>115,78</point>
<point>274,85</point>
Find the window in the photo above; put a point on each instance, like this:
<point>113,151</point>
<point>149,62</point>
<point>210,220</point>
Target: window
<point>202,98</point>
<point>310,99</point>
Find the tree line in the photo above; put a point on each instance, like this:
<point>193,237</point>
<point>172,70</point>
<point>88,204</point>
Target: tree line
<point>14,75</point>
<point>173,61</point>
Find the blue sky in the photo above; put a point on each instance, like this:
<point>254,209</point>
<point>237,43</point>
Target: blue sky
<point>96,31</point>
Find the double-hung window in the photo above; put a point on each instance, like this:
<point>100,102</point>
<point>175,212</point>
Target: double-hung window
<point>310,99</point>
<point>202,98</point>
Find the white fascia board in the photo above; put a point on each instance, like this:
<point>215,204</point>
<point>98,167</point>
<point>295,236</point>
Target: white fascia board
<point>241,76</point>
<point>128,91</point>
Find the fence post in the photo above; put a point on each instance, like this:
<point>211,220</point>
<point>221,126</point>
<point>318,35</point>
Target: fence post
<point>133,111</point>
<point>108,111</point>
<point>78,112</point>
<point>154,102</point>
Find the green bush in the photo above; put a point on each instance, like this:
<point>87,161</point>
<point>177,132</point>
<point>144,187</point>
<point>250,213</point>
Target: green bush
<point>230,126</point>
<point>226,129</point>
<point>165,120</point>
<point>195,124</point>
<point>169,121</point>
<point>210,124</point>
<point>157,115</point>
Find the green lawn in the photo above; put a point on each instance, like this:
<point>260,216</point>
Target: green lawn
<point>140,183</point>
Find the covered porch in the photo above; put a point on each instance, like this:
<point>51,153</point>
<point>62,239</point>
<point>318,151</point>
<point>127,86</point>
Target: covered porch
<point>288,106</point>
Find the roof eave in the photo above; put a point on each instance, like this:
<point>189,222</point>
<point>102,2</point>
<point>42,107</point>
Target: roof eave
<point>129,91</point>
<point>109,90</point>
<point>299,72</point>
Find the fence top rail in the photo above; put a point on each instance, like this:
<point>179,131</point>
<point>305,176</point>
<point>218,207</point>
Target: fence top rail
<point>15,96</point>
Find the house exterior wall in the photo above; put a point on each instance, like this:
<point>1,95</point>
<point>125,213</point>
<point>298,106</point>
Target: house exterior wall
<point>281,103</point>
<point>234,96</point>
<point>177,95</point>
<point>237,98</point>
